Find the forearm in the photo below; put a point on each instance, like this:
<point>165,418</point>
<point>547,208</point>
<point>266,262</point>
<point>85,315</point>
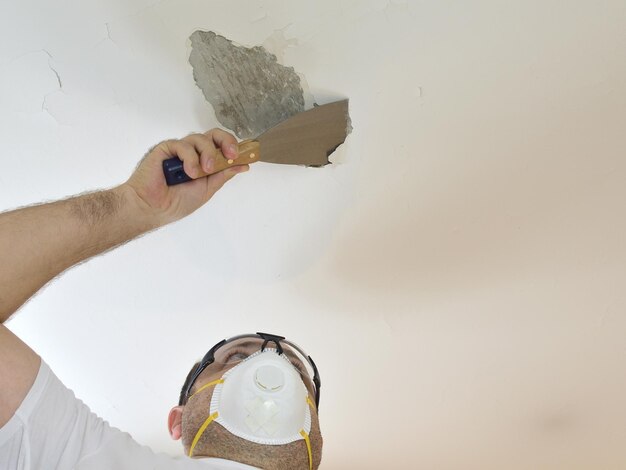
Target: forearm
<point>37,243</point>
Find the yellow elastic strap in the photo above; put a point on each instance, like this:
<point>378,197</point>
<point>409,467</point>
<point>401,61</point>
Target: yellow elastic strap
<point>200,431</point>
<point>210,384</point>
<point>308,448</point>
<point>306,436</point>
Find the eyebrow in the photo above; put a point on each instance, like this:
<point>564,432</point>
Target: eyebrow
<point>244,344</point>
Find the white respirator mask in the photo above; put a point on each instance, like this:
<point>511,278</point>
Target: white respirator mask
<point>263,400</point>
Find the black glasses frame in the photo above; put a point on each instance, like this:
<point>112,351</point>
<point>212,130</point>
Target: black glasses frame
<point>209,358</point>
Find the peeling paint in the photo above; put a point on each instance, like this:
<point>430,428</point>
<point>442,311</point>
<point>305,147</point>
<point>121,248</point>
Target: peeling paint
<point>54,70</point>
<point>109,37</point>
<point>249,90</point>
<point>278,44</point>
<point>44,106</point>
<point>35,71</point>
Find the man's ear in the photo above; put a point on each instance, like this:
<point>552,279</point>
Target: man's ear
<point>175,422</point>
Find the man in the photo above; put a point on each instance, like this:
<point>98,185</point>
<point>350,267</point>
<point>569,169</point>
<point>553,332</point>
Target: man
<point>250,403</point>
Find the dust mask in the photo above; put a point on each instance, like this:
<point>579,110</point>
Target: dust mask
<point>263,400</point>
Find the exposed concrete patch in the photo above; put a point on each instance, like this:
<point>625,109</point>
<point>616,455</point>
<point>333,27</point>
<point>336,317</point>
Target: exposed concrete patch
<point>249,90</point>
<point>277,44</point>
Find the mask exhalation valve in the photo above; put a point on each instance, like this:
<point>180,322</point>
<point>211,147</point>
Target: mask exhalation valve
<point>269,378</point>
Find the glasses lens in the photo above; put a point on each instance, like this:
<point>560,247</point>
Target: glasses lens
<point>239,349</point>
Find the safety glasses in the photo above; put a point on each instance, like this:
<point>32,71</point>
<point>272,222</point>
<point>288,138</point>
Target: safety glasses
<point>230,352</point>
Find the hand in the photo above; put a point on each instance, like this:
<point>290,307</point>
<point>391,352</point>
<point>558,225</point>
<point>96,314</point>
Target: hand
<point>197,151</point>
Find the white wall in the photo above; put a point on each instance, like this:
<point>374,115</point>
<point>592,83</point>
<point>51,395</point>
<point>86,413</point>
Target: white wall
<point>459,274</point>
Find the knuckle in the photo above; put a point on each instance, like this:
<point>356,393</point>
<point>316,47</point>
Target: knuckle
<point>160,146</point>
<point>192,137</point>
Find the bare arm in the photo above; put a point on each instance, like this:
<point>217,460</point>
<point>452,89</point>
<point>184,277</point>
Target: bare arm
<point>40,242</point>
<point>37,243</point>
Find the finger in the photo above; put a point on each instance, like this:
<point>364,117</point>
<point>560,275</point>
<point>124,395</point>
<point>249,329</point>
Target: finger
<point>185,151</point>
<point>225,141</point>
<point>217,180</point>
<point>205,148</point>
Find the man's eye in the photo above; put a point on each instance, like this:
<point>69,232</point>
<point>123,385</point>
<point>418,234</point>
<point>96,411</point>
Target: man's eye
<point>237,356</point>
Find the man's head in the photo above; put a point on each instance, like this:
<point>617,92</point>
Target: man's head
<point>242,401</point>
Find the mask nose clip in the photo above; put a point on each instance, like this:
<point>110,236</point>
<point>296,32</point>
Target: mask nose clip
<point>269,378</point>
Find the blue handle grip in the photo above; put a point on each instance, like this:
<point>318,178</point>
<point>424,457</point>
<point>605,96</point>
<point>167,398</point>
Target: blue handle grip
<point>174,172</point>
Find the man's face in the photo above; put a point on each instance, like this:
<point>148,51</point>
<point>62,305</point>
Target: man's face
<point>219,442</point>
<point>232,354</point>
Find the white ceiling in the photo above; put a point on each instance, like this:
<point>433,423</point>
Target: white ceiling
<point>458,275</point>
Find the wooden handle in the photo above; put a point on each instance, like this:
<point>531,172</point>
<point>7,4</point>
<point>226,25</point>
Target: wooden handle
<point>249,152</point>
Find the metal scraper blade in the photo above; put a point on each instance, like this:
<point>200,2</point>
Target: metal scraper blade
<point>307,138</point>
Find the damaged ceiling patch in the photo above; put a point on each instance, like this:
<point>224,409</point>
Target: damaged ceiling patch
<point>247,87</point>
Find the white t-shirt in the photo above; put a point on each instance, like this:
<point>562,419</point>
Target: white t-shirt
<point>52,429</point>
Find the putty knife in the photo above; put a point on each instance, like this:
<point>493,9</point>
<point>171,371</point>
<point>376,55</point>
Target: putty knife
<point>308,138</point>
